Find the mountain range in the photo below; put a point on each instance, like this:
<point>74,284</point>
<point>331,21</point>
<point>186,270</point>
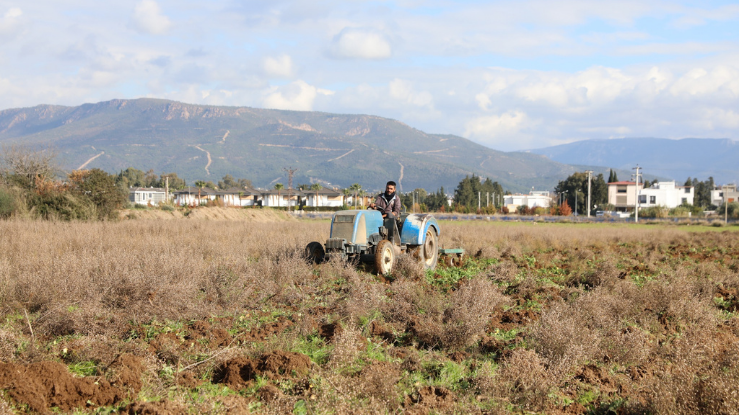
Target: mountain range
<point>674,159</point>
<point>201,142</point>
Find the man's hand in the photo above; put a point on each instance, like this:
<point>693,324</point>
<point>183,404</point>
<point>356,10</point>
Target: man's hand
<point>372,205</point>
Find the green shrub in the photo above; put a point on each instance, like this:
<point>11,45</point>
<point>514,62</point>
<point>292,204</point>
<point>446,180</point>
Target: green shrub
<point>62,206</point>
<point>8,204</point>
<point>654,212</point>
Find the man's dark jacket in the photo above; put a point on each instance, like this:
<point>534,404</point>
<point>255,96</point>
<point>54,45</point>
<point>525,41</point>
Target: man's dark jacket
<point>388,206</point>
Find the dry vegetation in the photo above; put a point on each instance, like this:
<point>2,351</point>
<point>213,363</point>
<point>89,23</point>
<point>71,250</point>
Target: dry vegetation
<point>225,317</point>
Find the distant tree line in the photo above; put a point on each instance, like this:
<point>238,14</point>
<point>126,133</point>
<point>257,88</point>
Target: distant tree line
<point>472,192</point>
<point>30,186</point>
<point>574,190</point>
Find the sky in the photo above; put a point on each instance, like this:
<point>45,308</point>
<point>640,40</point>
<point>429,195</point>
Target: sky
<point>511,75</point>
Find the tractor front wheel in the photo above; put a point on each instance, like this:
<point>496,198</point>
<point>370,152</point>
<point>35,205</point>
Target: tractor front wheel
<point>384,257</point>
<point>315,252</point>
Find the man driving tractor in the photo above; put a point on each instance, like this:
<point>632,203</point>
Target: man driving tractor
<point>388,203</point>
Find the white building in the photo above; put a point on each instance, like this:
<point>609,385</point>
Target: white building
<point>666,194</point>
<point>718,197</point>
<point>535,199</point>
<point>622,195</point>
<point>146,195</point>
<point>239,197</point>
<point>323,198</point>
<point>194,196</point>
<point>282,198</point>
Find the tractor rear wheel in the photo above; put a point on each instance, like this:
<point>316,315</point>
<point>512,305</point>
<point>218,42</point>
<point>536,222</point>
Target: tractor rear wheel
<point>429,251</point>
<point>384,257</point>
<point>315,252</point>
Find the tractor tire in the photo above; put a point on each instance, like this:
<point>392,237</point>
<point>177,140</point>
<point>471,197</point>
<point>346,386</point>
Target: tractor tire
<point>384,257</point>
<point>314,252</point>
<point>429,251</point>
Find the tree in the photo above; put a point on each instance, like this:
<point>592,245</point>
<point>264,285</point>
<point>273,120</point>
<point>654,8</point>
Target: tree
<point>244,183</point>
<point>175,182</point>
<point>346,193</point>
<point>492,188</point>
<point>131,177</point>
<point>151,179</point>
<point>279,187</point>
<point>355,189</point>
<point>199,184</point>
<point>100,188</point>
<point>612,176</point>
<point>466,192</point>
<point>565,209</point>
<point>25,165</point>
<point>702,192</point>
<point>315,187</point>
<point>598,191</point>
<point>227,182</point>
<point>436,201</point>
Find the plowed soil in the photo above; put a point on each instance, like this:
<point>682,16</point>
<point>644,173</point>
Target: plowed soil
<point>238,373</point>
<point>45,385</point>
<point>172,317</point>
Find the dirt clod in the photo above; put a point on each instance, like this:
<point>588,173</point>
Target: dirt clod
<point>188,380</point>
<point>284,363</point>
<point>45,385</point>
<point>269,393</point>
<point>240,372</point>
<point>435,397</point>
<point>155,408</point>
<point>329,330</point>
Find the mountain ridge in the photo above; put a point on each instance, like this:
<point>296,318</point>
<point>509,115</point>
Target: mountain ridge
<point>255,143</point>
<point>676,159</point>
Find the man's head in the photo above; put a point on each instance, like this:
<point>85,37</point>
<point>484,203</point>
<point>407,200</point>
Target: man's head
<point>390,187</point>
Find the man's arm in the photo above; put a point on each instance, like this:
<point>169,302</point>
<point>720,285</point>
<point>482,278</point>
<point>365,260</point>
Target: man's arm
<point>397,206</point>
<point>374,205</point>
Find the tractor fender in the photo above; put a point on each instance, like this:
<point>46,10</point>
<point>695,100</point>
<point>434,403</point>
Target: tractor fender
<point>415,227</point>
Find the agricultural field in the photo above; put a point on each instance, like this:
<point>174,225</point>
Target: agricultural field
<point>224,316</point>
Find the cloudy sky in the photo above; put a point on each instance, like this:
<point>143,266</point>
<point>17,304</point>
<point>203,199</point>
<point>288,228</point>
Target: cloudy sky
<point>508,74</point>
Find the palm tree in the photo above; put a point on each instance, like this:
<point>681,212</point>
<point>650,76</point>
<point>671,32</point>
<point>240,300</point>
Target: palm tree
<point>278,187</point>
<point>199,184</point>
<point>355,188</point>
<point>316,187</point>
<point>346,192</point>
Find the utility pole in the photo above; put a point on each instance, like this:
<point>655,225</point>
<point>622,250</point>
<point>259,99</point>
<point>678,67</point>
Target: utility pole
<point>488,200</point>
<point>726,204</point>
<point>290,171</point>
<point>636,193</point>
<point>575,202</point>
<point>590,175</point>
<point>166,189</point>
<point>479,200</point>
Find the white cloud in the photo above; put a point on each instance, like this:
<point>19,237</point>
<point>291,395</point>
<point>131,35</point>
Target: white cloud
<point>298,96</point>
<point>148,18</point>
<point>492,128</point>
<point>360,44</point>
<point>279,67</point>
<point>10,22</point>
<point>700,82</point>
<point>403,90</point>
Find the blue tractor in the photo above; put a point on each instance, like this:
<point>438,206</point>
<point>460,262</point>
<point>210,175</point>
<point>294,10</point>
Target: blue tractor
<point>365,236</point>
